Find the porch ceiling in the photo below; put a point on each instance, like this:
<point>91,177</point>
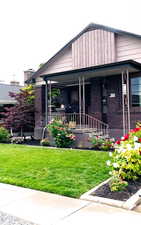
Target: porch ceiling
<point>92,72</point>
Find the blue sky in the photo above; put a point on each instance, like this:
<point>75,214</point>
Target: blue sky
<point>31,31</point>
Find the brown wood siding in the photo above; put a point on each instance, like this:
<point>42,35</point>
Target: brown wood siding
<point>128,48</point>
<point>93,48</point>
<point>61,62</point>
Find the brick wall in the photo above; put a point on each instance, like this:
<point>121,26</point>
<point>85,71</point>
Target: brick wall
<point>39,110</point>
<point>95,103</point>
<point>114,109</point>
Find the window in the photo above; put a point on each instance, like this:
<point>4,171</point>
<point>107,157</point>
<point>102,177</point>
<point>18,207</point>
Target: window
<point>136,91</point>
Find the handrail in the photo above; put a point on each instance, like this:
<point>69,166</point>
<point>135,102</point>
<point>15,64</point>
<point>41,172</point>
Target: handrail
<point>82,121</point>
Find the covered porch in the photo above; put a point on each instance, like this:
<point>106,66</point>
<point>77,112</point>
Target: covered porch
<point>95,99</point>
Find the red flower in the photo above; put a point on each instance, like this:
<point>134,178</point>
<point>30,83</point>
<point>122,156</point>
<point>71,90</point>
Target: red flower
<point>139,140</point>
<point>135,130</point>
<point>118,142</point>
<point>125,137</point>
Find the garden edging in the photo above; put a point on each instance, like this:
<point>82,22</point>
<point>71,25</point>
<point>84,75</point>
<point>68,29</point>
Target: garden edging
<point>130,204</point>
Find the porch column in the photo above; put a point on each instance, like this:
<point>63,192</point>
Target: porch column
<point>50,102</point>
<point>128,101</point>
<point>80,103</point>
<point>46,103</point>
<point>83,83</point>
<point>82,100</point>
<point>125,102</point>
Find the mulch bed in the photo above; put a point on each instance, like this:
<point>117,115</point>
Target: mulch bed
<point>32,142</point>
<point>105,192</point>
<point>37,143</point>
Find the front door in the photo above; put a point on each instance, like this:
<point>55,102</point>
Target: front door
<point>74,99</point>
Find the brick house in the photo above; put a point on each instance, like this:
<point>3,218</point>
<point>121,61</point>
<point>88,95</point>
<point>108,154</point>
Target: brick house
<point>99,76</point>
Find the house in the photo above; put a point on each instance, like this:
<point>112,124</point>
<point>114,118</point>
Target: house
<point>5,99</point>
<point>99,76</point>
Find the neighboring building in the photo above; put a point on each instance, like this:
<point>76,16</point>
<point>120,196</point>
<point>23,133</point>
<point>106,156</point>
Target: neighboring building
<point>99,75</point>
<point>5,99</point>
<point>28,74</point>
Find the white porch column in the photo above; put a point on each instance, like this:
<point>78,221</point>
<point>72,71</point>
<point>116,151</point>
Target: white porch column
<point>125,102</point>
<point>80,102</point>
<point>46,103</point>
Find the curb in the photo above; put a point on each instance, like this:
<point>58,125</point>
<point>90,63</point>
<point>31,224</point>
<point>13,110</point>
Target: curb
<point>130,204</point>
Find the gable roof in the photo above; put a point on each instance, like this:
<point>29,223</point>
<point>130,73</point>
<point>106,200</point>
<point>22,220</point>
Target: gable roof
<point>91,26</point>
<point>4,93</point>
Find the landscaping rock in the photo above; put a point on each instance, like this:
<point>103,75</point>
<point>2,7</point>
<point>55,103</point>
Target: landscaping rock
<point>6,219</point>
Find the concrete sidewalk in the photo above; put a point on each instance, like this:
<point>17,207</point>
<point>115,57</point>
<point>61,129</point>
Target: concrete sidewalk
<point>51,209</point>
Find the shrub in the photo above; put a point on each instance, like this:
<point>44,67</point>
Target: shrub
<point>4,135</point>
<point>96,142</point>
<point>117,184</point>
<point>107,145</point>
<point>101,143</point>
<point>44,142</point>
<point>61,134</point>
<point>125,162</point>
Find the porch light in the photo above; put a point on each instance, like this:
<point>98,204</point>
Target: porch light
<point>62,106</point>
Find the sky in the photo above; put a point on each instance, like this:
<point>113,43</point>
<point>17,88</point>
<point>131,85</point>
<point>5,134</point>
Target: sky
<point>32,31</point>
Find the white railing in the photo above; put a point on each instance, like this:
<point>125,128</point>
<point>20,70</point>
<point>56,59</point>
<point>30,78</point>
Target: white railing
<point>82,122</point>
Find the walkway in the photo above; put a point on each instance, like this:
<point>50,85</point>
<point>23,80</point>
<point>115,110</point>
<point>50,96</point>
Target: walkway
<point>51,209</point>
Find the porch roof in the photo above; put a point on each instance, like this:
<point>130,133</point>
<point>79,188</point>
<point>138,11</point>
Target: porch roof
<point>94,71</point>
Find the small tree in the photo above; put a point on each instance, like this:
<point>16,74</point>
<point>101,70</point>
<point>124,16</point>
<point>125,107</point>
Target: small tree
<point>21,116</point>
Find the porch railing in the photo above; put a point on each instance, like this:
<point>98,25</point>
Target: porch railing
<point>83,122</point>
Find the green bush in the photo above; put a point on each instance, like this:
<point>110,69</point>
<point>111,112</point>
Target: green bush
<point>96,142</point>
<point>126,164</point>
<point>61,134</point>
<point>4,135</point>
<point>45,142</point>
<point>117,184</point>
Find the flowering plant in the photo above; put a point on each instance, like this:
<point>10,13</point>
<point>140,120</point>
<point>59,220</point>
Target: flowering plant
<point>61,134</point>
<point>125,162</point>
<point>101,143</point>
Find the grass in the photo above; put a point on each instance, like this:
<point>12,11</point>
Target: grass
<point>65,172</point>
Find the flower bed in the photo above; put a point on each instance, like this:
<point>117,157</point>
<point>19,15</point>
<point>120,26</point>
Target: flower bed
<point>123,189</point>
<point>105,192</point>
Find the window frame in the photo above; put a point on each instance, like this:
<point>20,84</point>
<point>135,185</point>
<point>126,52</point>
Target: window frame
<point>133,103</point>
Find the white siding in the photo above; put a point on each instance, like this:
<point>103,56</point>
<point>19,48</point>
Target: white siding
<point>128,48</point>
<point>62,62</point>
<point>93,48</point>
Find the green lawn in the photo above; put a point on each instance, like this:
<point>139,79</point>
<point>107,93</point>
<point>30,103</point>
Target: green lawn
<point>65,172</point>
